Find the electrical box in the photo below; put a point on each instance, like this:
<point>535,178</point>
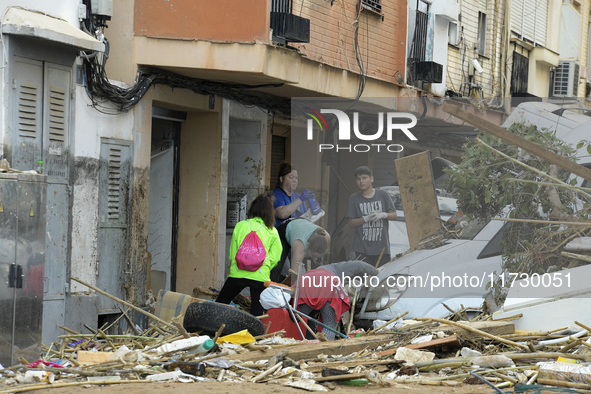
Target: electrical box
<point>102,7</point>
<point>236,209</point>
<point>23,266</point>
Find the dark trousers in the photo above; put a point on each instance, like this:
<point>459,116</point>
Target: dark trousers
<point>372,259</point>
<point>276,271</point>
<point>233,286</point>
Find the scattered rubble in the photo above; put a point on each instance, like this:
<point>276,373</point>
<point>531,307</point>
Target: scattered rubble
<point>422,351</point>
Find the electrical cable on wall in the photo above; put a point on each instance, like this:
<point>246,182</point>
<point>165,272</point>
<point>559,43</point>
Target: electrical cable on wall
<point>103,93</point>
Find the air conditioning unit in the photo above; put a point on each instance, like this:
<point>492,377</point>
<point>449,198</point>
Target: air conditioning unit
<point>566,80</point>
<point>290,27</point>
<point>429,72</point>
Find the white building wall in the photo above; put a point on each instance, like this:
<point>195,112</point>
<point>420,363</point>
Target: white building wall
<point>441,13</point>
<point>570,33</point>
<point>64,9</point>
<point>444,12</point>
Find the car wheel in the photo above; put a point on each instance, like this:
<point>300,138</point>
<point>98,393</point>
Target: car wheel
<point>209,317</point>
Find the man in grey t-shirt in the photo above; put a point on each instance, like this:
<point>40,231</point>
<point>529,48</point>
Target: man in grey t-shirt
<point>368,213</point>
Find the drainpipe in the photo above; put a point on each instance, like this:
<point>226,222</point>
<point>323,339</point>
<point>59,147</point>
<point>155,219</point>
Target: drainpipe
<point>522,21</point>
<point>505,51</point>
<point>535,25</point>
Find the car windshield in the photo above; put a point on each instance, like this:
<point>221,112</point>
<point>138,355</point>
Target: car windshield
<point>394,193</point>
<point>472,227</point>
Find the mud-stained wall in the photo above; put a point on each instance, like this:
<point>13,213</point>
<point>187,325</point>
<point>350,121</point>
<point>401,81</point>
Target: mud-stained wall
<point>84,221</point>
<point>199,201</point>
<point>90,126</point>
<point>139,205</point>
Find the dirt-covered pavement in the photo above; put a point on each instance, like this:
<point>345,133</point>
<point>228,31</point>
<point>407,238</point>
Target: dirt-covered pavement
<point>256,388</point>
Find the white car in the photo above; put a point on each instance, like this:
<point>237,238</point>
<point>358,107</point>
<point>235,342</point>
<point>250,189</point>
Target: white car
<point>476,257</point>
<point>456,273</point>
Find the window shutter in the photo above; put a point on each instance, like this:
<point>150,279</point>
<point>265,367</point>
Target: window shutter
<point>529,20</point>
<point>114,194</point>
<point>114,179</point>
<point>57,114</point>
<point>27,114</point>
<point>56,108</point>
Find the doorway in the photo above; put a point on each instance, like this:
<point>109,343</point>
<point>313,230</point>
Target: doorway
<point>164,186</point>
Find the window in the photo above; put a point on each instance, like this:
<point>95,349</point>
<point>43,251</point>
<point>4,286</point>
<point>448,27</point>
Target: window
<point>481,33</point>
<point>519,74</point>
<point>453,37</point>
<point>575,3</point>
<point>373,5</point>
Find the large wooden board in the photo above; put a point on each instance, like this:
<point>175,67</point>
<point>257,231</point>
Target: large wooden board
<point>490,327</point>
<point>419,200</point>
<point>311,350</point>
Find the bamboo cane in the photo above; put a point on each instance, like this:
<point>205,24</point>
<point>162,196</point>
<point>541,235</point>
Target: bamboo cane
<point>485,334</point>
<point>140,310</point>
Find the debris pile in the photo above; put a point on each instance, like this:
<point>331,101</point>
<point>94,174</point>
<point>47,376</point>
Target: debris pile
<point>423,351</point>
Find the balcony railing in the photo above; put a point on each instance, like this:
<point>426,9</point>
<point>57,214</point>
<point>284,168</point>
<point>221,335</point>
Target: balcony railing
<point>286,26</point>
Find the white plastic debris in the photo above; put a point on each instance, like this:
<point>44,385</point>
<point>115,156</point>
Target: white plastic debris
<point>306,384</point>
<point>181,344</point>
<point>32,376</point>
<point>176,375</point>
<point>298,373</point>
<point>126,355</point>
<point>276,340</point>
<point>495,361</point>
<point>580,244</point>
<point>424,338</point>
<point>467,352</point>
<point>397,324</point>
<point>412,356</point>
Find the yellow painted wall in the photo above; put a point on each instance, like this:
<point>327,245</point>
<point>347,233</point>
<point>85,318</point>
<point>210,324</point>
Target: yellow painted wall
<point>121,64</point>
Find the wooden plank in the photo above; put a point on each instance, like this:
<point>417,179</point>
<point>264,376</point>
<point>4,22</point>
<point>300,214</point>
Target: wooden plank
<point>311,350</point>
<point>499,327</point>
<point>87,357</point>
<point>451,341</point>
<point>349,364</point>
<point>419,200</point>
<point>529,146</point>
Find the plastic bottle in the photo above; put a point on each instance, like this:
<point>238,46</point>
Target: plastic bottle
<point>314,205</point>
<point>467,352</point>
<point>494,361</point>
<point>182,344</point>
<point>205,347</point>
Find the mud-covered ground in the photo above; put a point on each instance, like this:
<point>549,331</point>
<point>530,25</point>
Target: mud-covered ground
<point>257,388</point>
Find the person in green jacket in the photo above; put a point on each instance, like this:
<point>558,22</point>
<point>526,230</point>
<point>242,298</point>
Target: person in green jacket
<point>261,218</point>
